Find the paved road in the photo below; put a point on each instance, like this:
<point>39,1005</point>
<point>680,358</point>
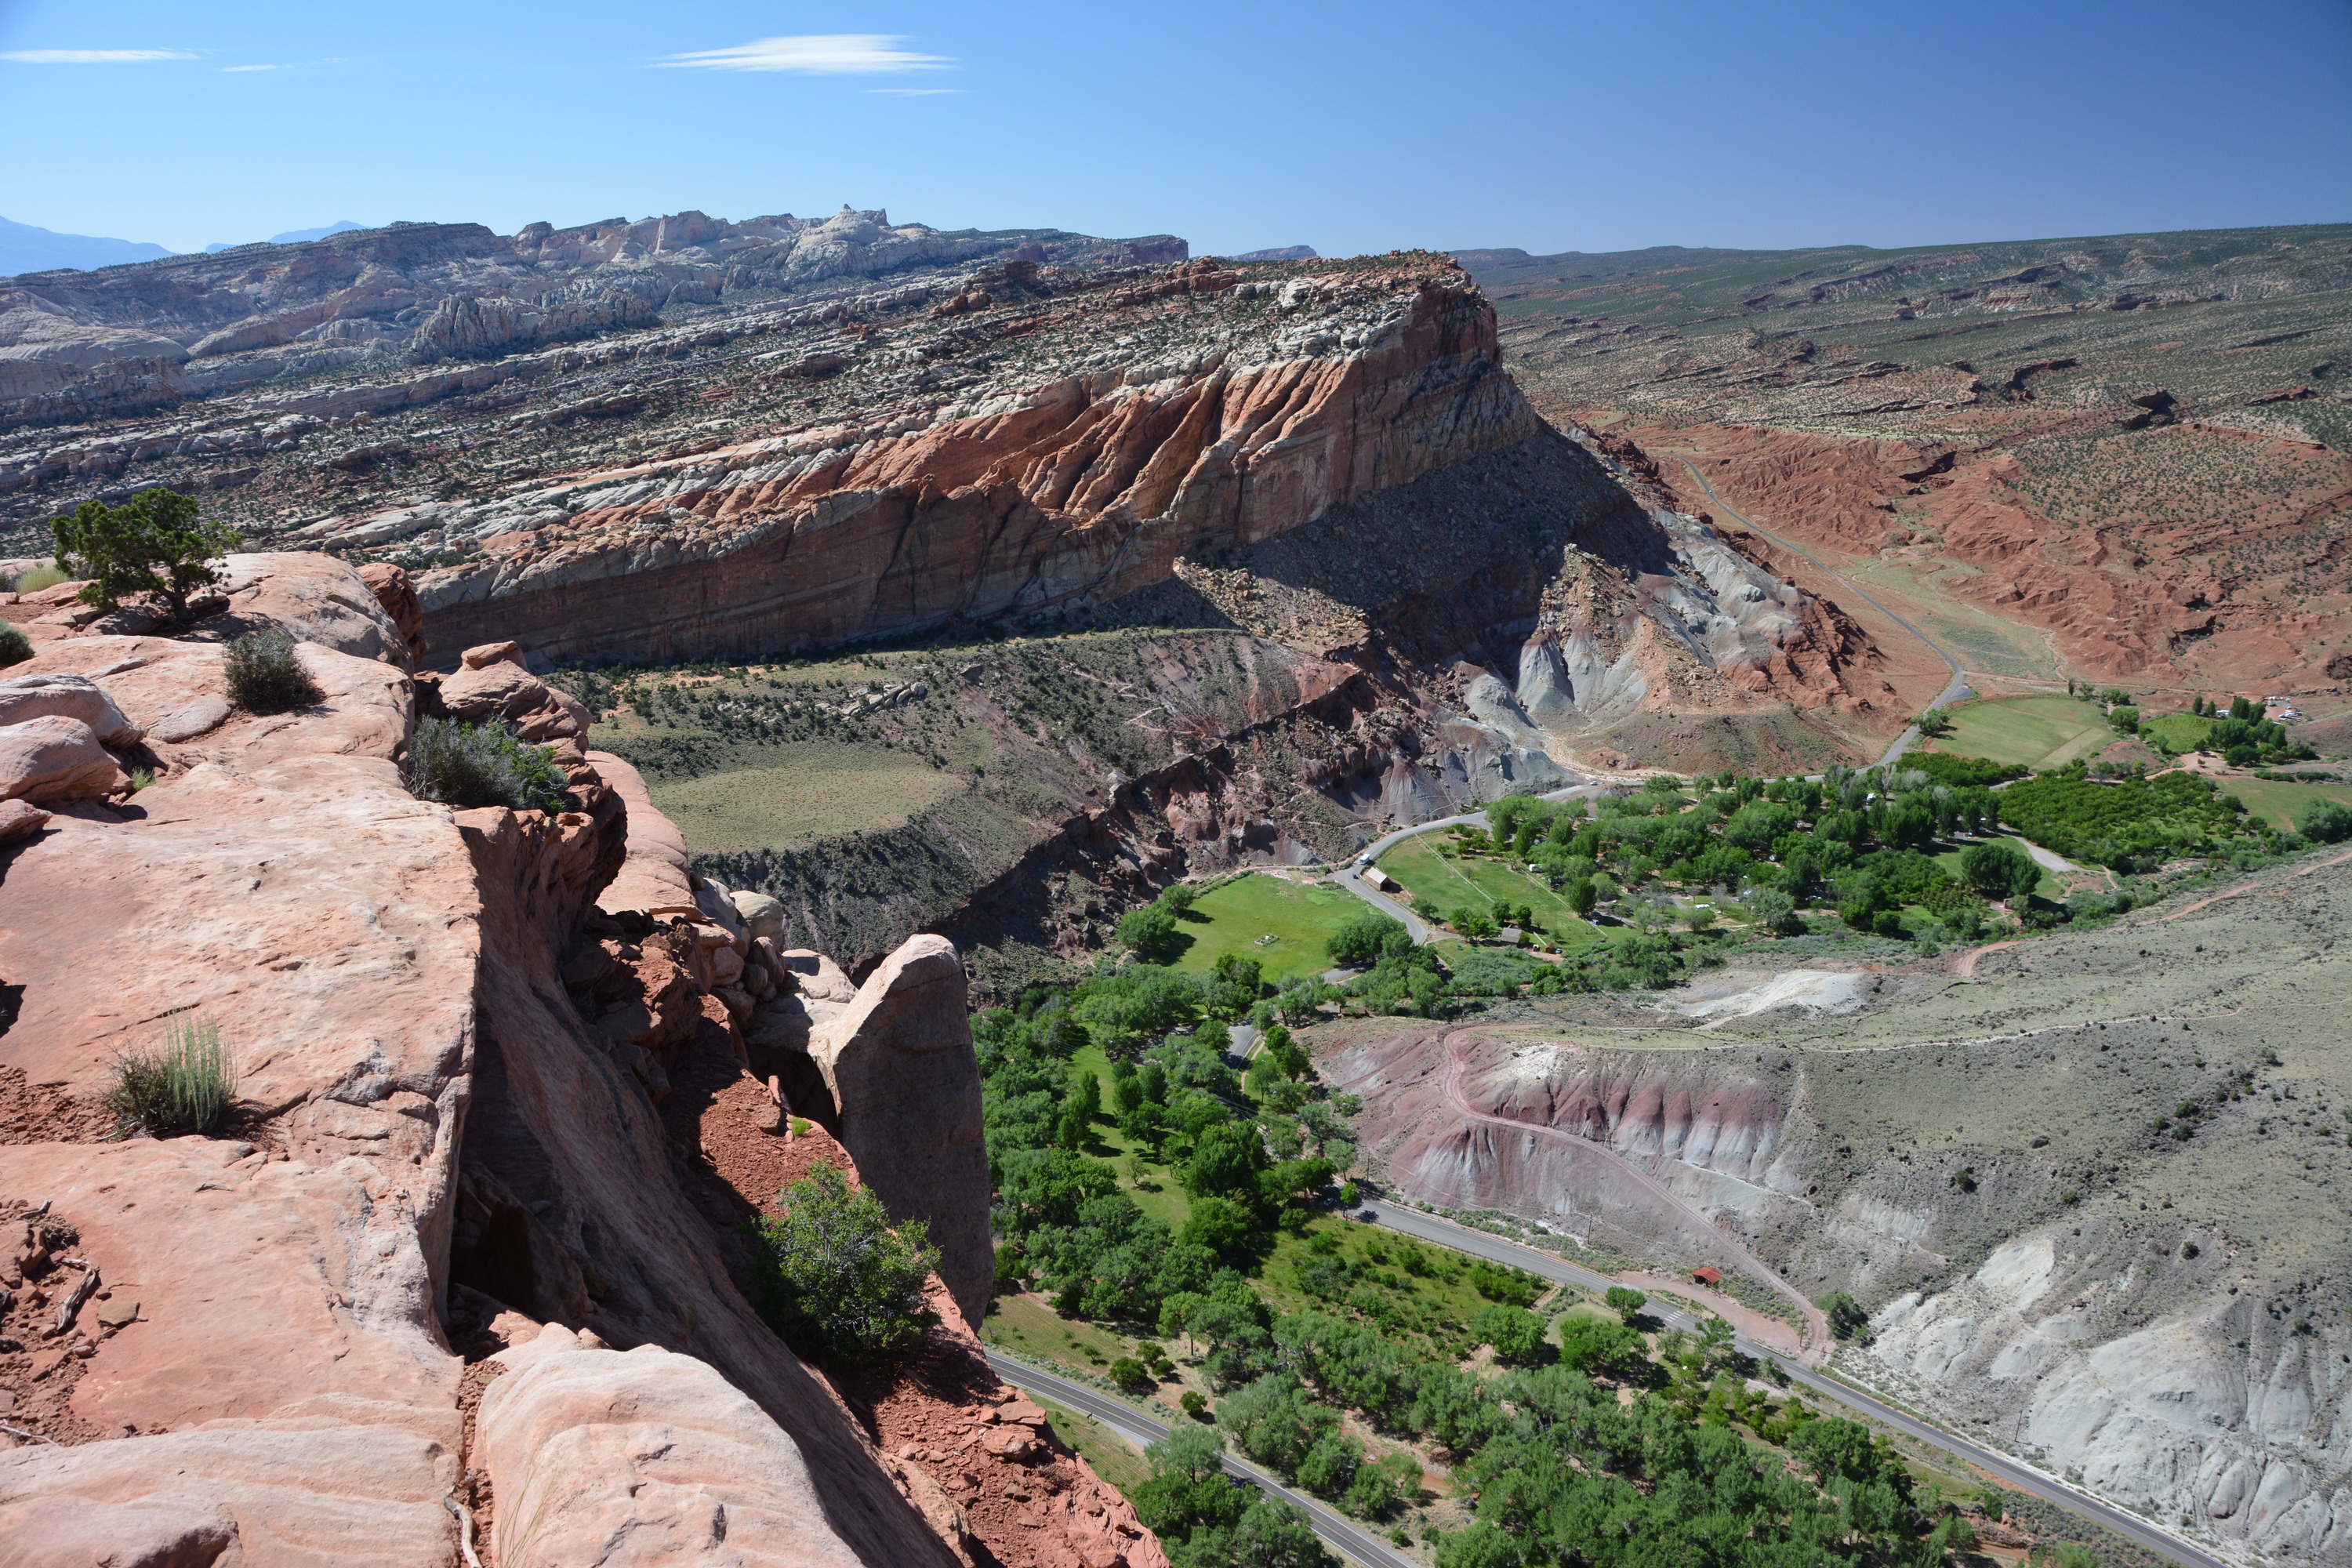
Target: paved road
<point>1348,876</point>
<point>1952,693</point>
<point>1496,1249</point>
<point>1338,1531</point>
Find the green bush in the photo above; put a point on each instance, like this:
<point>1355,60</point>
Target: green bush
<point>152,544</point>
<point>835,1279</point>
<point>1626,1301</point>
<point>1366,938</point>
<point>1847,1320</point>
<point>183,1086</point>
<point>471,765</point>
<point>265,676</point>
<point>16,647</point>
<point>38,578</point>
<point>1149,932</point>
<point>2000,870</point>
<point>1516,1333</point>
<point>2326,822</point>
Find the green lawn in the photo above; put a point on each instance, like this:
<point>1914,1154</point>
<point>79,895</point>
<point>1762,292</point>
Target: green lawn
<point>1480,882</point>
<point>2281,804</point>
<point>2177,733</point>
<point>1028,1326</point>
<point>1281,923</point>
<point>2039,731</point>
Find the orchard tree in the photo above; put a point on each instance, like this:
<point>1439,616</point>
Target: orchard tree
<point>2000,870</point>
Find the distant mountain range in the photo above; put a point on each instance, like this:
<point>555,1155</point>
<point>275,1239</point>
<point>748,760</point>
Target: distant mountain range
<point>24,248</point>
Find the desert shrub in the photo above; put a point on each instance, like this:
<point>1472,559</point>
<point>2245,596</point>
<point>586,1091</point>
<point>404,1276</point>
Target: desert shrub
<point>470,766</point>
<point>152,544</point>
<point>16,647</point>
<point>265,676</point>
<point>184,1085</point>
<point>38,578</point>
<point>835,1279</point>
<point>1846,1316</point>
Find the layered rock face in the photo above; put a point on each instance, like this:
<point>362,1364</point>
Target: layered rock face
<point>237,1349</point>
<point>75,344</point>
<point>1257,413</point>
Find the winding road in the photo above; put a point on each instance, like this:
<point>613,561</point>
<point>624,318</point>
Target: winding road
<point>1337,1531</point>
<point>2003,1466</point>
<point>1951,694</point>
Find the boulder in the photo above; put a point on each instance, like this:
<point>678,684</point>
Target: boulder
<point>19,819</point>
<point>600,1457</point>
<point>504,690</point>
<point>56,759</point>
<point>655,875</point>
<point>761,916</point>
<point>308,596</point>
<point>198,719</point>
<point>300,1491</point>
<point>68,696</point>
<point>900,1063</point>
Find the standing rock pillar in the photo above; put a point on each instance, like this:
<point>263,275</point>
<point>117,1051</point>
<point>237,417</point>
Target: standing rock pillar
<point>900,1066</point>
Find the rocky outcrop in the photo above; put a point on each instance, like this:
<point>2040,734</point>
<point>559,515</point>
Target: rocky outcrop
<point>1028,498</point>
<point>604,1458</point>
<point>906,1089</point>
<point>75,344</point>
<point>242,1358</point>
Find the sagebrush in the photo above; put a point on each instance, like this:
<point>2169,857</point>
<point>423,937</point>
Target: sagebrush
<point>265,676</point>
<point>184,1085</point>
<point>471,765</point>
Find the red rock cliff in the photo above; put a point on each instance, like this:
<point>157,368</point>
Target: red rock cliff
<point>1246,418</point>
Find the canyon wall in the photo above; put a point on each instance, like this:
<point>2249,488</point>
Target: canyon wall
<point>269,1344</point>
<point>1070,493</point>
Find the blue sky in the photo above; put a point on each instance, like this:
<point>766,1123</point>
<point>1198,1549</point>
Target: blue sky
<point>1360,126</point>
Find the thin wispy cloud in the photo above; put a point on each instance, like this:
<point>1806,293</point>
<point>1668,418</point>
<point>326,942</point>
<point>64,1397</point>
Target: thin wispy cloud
<point>288,65</point>
<point>94,56</point>
<point>815,54</point>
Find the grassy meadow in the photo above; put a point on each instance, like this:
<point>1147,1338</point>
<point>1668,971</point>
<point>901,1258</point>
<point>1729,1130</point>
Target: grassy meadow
<point>2039,731</point>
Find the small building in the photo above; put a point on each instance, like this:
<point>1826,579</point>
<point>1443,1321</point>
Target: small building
<point>1382,882</point>
<point>1510,936</point>
<point>1706,1275</point>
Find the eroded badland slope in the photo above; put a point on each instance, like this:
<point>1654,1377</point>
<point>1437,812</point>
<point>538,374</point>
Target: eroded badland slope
<point>2133,447</point>
<point>2094,1191</point>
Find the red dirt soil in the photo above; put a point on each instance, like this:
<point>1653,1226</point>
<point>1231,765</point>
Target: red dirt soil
<point>2156,564</point>
<point>956,1434</point>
